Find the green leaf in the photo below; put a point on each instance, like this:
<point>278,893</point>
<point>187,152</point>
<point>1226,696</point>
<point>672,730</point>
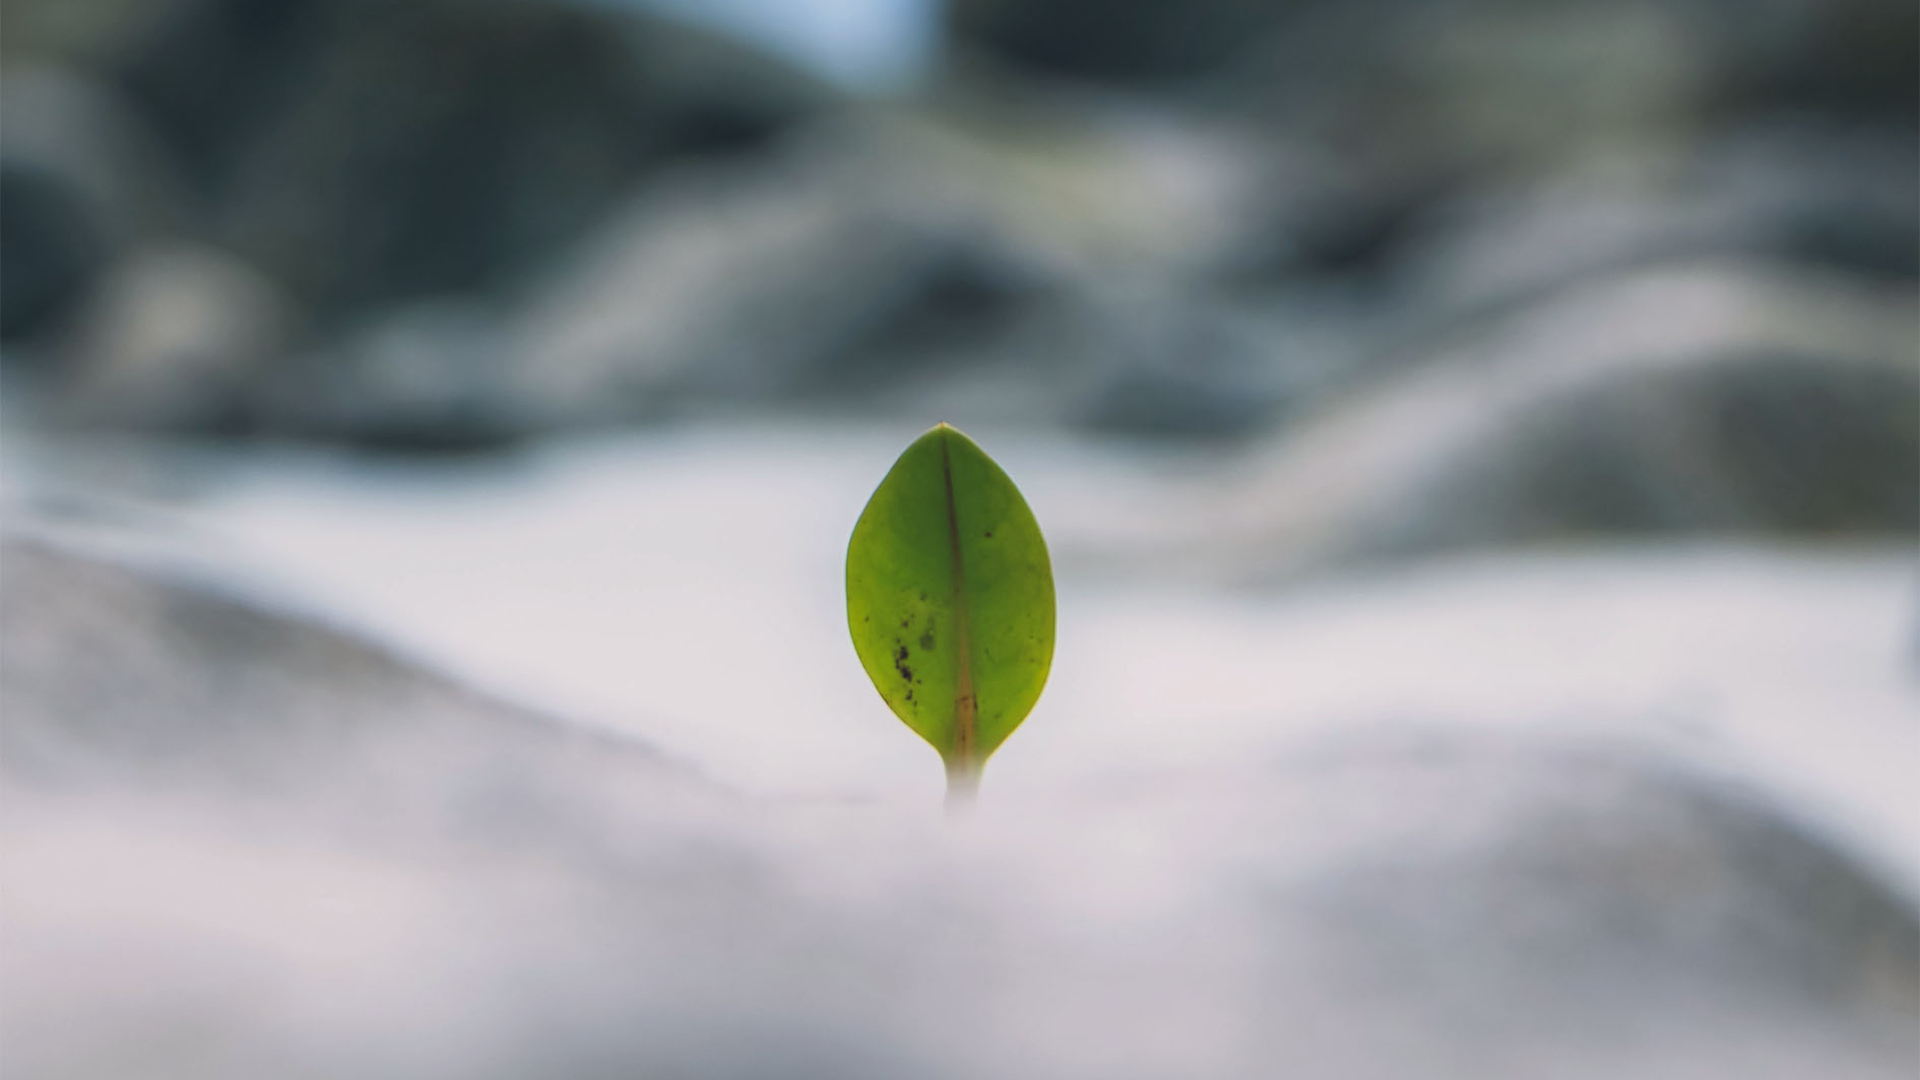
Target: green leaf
<point>950,600</point>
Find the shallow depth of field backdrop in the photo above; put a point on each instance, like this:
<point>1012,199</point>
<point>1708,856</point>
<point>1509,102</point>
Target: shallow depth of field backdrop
<point>1478,440</point>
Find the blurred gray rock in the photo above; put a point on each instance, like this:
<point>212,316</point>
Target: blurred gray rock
<point>1783,195</point>
<point>361,152</point>
<point>1169,364</point>
<point>170,336</point>
<point>1420,106</point>
<point>79,33</point>
<point>52,254</point>
<point>919,261</point>
<point>118,677</point>
<point>355,155</point>
<point>430,375</point>
<point>81,182</point>
<point>1481,61</point>
<point>734,285</point>
<point>1475,880</point>
<point>486,220</point>
<point>1680,399</point>
<point>1131,42</point>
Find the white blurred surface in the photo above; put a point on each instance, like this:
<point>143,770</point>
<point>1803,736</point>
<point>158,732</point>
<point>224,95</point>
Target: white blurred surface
<point>686,585</point>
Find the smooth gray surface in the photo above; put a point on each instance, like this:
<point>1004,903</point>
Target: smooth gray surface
<point>239,845</point>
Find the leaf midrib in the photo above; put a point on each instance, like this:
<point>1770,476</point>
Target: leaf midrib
<point>965,708</point>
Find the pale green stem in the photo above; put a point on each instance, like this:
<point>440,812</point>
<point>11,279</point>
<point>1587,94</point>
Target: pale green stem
<point>963,785</point>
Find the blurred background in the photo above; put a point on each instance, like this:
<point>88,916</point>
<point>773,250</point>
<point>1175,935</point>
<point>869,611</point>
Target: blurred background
<point>1528,375</point>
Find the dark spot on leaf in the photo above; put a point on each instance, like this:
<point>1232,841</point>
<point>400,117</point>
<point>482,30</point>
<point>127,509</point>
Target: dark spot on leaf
<point>904,623</point>
<point>923,597</point>
<point>926,639</point>
<point>900,663</point>
<point>989,534</point>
